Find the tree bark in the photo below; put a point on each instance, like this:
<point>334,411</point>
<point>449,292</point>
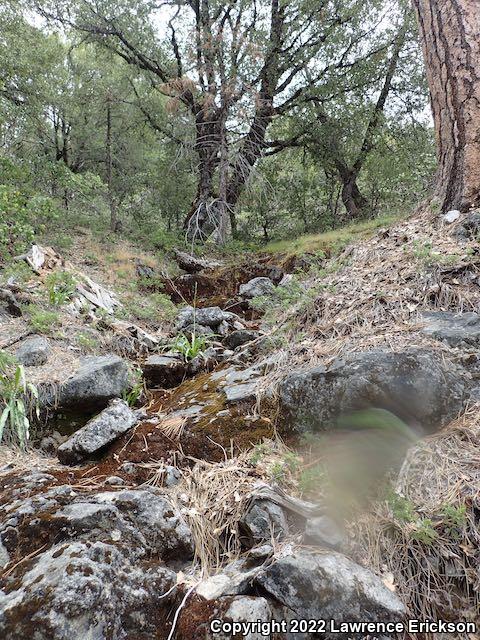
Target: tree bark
<point>450,34</point>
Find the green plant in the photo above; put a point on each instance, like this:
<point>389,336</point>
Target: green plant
<point>60,287</point>
<point>310,479</point>
<point>189,347</point>
<point>402,508</point>
<point>424,531</point>
<point>259,451</point>
<point>134,393</point>
<point>42,321</point>
<point>86,341</point>
<point>14,422</point>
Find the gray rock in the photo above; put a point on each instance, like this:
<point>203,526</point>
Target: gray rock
<point>330,586</point>
<point>243,609</point>
<point>9,305</point>
<point>198,330</point>
<point>112,422</point>
<point>98,380</point>
<point>33,352</point>
<point>264,521</point>
<point>237,393</point>
<point>416,385</point>
<point>257,287</point>
<point>115,481</point>
<point>456,329</point>
<point>324,531</point>
<point>172,476</point>
<point>206,316</point>
<point>166,370</point>
<point>468,228</point>
<point>81,590</point>
<point>239,338</point>
<point>451,216</point>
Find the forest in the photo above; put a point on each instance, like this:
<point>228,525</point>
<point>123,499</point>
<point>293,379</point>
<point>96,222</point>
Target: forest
<point>164,122</point>
<point>239,319</point>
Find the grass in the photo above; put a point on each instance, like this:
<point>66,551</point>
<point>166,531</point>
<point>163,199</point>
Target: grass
<point>41,320</point>
<point>332,241</point>
<point>14,421</point>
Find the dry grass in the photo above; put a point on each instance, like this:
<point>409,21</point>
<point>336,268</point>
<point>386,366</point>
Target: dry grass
<point>428,537</point>
<point>214,497</point>
<point>372,295</point>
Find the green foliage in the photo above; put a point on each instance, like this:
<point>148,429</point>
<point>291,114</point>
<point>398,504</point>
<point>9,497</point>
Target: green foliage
<point>424,531</point>
<point>189,347</point>
<point>86,341</point>
<point>137,388</point>
<point>14,421</point>
<point>60,287</point>
<point>42,320</point>
<point>311,479</point>
<point>402,508</point>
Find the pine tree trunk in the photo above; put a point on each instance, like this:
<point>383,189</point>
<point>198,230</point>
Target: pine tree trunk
<point>450,34</point>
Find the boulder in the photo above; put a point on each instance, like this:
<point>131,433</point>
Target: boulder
<point>257,287</point>
<point>329,586</point>
<point>237,393</point>
<point>206,316</point>
<point>264,521</point>
<point>33,352</point>
<point>324,531</point>
<point>81,589</point>
<point>102,430</point>
<point>98,380</point>
<point>417,385</point>
<point>468,228</point>
<point>239,338</point>
<point>191,264</point>
<point>166,370</point>
<point>456,329</point>
<point>242,609</point>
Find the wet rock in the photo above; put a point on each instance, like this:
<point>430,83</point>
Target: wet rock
<point>329,586</point>
<point>264,521</point>
<point>239,338</point>
<point>166,370</point>
<point>79,590</point>
<point>206,316</point>
<point>103,429</point>
<point>33,352</point>
<point>324,531</point>
<point>416,385</point>
<point>98,380</point>
<point>456,329</point>
<point>257,287</point>
<point>468,228</point>
<point>9,305</point>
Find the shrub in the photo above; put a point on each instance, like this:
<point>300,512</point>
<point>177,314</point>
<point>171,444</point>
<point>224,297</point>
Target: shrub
<point>60,287</point>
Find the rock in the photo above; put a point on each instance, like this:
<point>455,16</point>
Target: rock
<point>286,280</point>
<point>33,352</point>
<point>166,370</point>
<point>329,586</point>
<point>456,329</point>
<point>172,476</point>
<point>9,305</point>
<point>198,330</point>
<point>468,228</point>
<point>257,287</point>
<point>191,264</point>
<point>324,531</point>
<point>98,380</point>
<point>115,481</point>
<point>416,385</point>
<point>242,609</point>
<point>205,361</point>
<point>264,521</point>
<point>206,316</point>
<point>239,338</point>
<point>79,590</point>
<point>451,216</point>
<point>237,393</point>
<point>112,422</point>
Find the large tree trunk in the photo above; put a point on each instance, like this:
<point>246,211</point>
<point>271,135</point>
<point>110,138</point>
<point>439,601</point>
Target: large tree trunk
<point>450,33</point>
<point>354,201</point>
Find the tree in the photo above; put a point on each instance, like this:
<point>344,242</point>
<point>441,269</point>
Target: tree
<point>234,67</point>
<point>449,30</point>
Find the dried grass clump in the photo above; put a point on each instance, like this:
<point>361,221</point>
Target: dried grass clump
<point>214,497</point>
<point>428,533</point>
